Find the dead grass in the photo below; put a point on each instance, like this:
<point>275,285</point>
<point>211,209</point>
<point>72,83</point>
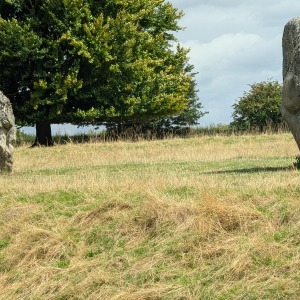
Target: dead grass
<point>199,218</point>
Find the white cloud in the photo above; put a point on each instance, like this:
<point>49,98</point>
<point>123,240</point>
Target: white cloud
<point>206,22</point>
<point>233,43</point>
<point>226,66</point>
<point>221,52</point>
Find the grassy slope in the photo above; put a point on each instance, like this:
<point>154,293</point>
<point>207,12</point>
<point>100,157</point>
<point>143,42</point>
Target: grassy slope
<point>200,218</point>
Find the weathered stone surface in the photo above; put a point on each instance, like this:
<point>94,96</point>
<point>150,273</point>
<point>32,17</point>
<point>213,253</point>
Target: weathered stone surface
<point>291,77</point>
<point>7,134</point>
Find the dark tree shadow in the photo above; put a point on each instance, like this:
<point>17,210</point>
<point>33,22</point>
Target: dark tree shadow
<point>252,170</point>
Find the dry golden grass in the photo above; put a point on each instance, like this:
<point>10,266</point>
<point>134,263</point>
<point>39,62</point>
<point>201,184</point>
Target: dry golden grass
<point>200,218</point>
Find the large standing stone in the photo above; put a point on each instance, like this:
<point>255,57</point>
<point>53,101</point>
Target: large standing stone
<point>291,77</point>
<point>7,134</point>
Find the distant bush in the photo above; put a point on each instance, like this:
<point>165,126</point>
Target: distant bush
<point>259,108</point>
<point>214,129</point>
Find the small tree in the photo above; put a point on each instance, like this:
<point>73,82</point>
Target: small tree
<point>259,108</point>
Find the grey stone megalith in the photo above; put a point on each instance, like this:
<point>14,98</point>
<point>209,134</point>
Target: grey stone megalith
<point>7,134</point>
<point>290,108</point>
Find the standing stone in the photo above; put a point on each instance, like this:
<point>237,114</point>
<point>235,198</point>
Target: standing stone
<point>7,134</point>
<point>290,108</point>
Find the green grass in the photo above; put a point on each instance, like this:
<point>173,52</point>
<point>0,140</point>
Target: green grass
<point>199,218</point>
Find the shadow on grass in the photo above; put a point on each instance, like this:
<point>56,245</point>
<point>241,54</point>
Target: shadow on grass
<point>252,170</point>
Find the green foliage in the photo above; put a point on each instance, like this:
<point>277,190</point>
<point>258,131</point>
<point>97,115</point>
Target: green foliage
<point>91,62</point>
<point>188,117</point>
<point>23,138</point>
<point>62,263</point>
<point>4,243</point>
<point>179,123</point>
<point>215,129</point>
<point>296,163</point>
<point>259,108</point>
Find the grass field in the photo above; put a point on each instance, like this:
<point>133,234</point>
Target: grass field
<point>200,218</point>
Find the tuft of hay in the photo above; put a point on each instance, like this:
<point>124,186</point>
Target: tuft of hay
<point>35,246</point>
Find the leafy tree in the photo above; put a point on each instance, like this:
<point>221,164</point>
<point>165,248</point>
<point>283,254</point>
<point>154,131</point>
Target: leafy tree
<point>259,108</point>
<point>191,114</point>
<point>178,123</point>
<point>92,62</point>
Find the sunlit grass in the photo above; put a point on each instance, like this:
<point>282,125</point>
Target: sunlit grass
<point>199,218</point>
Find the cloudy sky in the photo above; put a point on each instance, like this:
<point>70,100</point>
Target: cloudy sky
<point>233,43</point>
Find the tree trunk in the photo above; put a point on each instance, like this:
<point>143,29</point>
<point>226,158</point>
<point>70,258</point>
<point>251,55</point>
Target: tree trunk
<point>43,134</point>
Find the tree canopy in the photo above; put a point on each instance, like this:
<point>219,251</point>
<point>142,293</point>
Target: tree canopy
<point>259,108</point>
<point>93,62</point>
